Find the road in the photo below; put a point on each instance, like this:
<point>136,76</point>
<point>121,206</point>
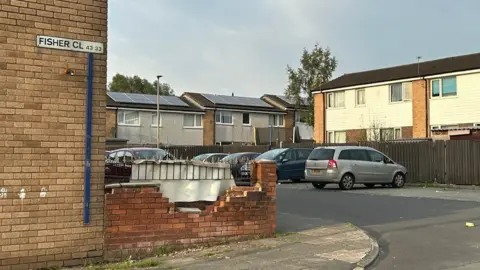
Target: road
<point>416,228</point>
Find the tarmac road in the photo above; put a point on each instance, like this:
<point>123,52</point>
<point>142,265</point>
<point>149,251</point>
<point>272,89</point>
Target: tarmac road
<point>416,228</point>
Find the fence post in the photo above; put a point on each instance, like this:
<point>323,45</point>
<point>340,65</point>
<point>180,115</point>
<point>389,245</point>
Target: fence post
<point>445,176</point>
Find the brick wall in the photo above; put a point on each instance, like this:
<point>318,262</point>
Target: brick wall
<point>208,123</point>
<point>356,135</point>
<point>138,221</point>
<point>111,123</point>
<point>42,117</point>
<point>319,112</point>
<point>420,107</point>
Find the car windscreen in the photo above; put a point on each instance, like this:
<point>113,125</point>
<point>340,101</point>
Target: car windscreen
<point>153,154</point>
<point>231,157</point>
<point>200,157</point>
<point>322,154</point>
<point>270,155</point>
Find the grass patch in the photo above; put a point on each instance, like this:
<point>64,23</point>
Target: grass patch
<point>210,254</point>
<point>166,250</point>
<point>128,264</point>
<point>283,234</point>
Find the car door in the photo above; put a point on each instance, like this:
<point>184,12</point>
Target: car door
<point>287,164</point>
<point>382,167</point>
<point>360,162</point>
<point>301,160</point>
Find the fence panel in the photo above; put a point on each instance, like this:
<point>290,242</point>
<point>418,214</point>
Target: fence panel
<point>462,162</point>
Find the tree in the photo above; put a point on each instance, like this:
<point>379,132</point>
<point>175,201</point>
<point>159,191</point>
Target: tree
<point>135,84</point>
<point>316,68</point>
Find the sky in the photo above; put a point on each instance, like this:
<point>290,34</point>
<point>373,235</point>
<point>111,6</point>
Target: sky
<point>244,46</point>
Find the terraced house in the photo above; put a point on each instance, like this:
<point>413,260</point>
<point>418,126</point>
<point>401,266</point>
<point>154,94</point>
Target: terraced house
<point>436,99</point>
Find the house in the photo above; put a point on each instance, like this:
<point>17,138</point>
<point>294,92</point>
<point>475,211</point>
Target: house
<point>409,101</point>
<point>134,117</point>
<point>297,112</point>
<point>240,120</point>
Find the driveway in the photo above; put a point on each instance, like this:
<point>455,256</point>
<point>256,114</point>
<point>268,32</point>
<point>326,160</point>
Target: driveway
<point>417,228</point>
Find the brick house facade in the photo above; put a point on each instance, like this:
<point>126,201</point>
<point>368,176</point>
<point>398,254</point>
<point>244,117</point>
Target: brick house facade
<point>42,131</point>
<point>403,102</point>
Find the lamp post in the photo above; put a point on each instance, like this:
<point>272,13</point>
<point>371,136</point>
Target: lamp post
<point>158,110</point>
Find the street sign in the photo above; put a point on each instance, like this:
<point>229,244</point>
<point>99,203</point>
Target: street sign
<point>69,44</point>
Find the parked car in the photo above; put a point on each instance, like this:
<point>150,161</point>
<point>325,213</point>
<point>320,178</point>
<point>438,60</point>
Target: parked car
<point>349,165</point>
<point>237,160</point>
<point>212,157</point>
<point>118,163</point>
<point>290,162</point>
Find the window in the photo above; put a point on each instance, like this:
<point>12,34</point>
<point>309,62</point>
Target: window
<point>360,155</point>
<point>119,157</point>
<point>388,134</point>
<point>375,156</point>
<point>192,120</point>
<point>337,137</point>
<point>223,117</point>
<point>303,153</point>
<point>246,118</point>
<point>336,100</point>
<point>360,97</point>
<point>276,120</point>
<point>322,154</point>
<point>128,157</point>
<point>288,155</point>
<point>345,155</point>
<point>154,120</point>
<point>128,118</point>
<point>444,87</point>
<point>400,92</point>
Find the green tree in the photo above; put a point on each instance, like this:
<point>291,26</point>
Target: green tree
<point>135,84</point>
<point>316,68</point>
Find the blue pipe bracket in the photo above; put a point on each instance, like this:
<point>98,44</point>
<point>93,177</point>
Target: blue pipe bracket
<point>88,141</point>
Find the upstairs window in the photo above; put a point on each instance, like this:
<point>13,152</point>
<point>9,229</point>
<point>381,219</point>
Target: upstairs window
<point>360,97</point>
<point>192,120</point>
<point>336,100</point>
<point>223,117</point>
<point>276,120</point>
<point>444,87</point>
<point>154,120</point>
<point>246,119</point>
<point>400,92</point>
<point>128,118</point>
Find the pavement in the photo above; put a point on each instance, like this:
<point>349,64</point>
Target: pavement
<point>416,228</point>
<point>336,247</point>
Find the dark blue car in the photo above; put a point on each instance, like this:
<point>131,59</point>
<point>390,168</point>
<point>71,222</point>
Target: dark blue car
<point>290,162</point>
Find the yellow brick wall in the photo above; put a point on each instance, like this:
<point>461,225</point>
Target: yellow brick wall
<point>42,129</point>
<point>420,99</point>
<point>110,123</point>
<point>319,112</point>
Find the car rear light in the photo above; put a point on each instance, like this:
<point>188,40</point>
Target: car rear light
<point>332,164</point>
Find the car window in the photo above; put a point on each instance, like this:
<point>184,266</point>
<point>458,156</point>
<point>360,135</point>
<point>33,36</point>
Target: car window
<point>150,154</point>
<point>200,157</point>
<point>119,156</point>
<point>376,156</point>
<point>358,154</point>
<point>303,153</point>
<point>287,155</point>
<point>321,154</point>
<point>128,157</point>
<point>271,155</point>
<point>345,155</point>
<point>253,156</point>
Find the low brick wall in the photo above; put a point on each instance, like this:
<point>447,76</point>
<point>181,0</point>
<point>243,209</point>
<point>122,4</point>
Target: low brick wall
<point>138,221</point>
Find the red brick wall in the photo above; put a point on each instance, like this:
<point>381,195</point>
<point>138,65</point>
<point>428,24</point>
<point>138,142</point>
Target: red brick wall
<point>420,99</point>
<point>42,130</point>
<point>140,220</point>
<point>356,135</point>
<point>319,113</point>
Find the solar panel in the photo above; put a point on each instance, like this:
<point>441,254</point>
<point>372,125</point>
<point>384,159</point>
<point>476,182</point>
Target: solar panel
<point>134,98</point>
<point>234,100</point>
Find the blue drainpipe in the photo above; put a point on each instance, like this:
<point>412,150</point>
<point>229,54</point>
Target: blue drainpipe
<point>88,142</point>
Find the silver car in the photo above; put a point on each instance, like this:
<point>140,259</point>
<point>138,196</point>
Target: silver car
<point>349,165</point>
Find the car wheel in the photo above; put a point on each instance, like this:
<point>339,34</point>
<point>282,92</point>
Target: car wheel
<point>398,180</point>
<point>347,181</point>
<point>370,185</point>
<point>318,185</point>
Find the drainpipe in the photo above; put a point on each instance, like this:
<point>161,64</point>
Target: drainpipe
<point>88,142</point>
<point>427,109</point>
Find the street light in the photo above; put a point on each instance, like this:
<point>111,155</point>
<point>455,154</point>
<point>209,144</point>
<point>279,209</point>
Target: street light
<point>158,110</point>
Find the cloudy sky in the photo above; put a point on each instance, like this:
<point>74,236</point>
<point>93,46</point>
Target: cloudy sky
<point>243,46</point>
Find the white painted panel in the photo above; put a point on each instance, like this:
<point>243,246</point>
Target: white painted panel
<point>463,108</point>
<point>377,111</point>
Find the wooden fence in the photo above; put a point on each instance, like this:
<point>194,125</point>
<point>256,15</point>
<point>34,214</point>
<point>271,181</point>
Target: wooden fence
<point>443,162</point>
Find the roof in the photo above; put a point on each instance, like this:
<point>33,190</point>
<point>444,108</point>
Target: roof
<point>427,68</point>
<point>212,101</point>
<point>283,101</point>
<point>148,102</point>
